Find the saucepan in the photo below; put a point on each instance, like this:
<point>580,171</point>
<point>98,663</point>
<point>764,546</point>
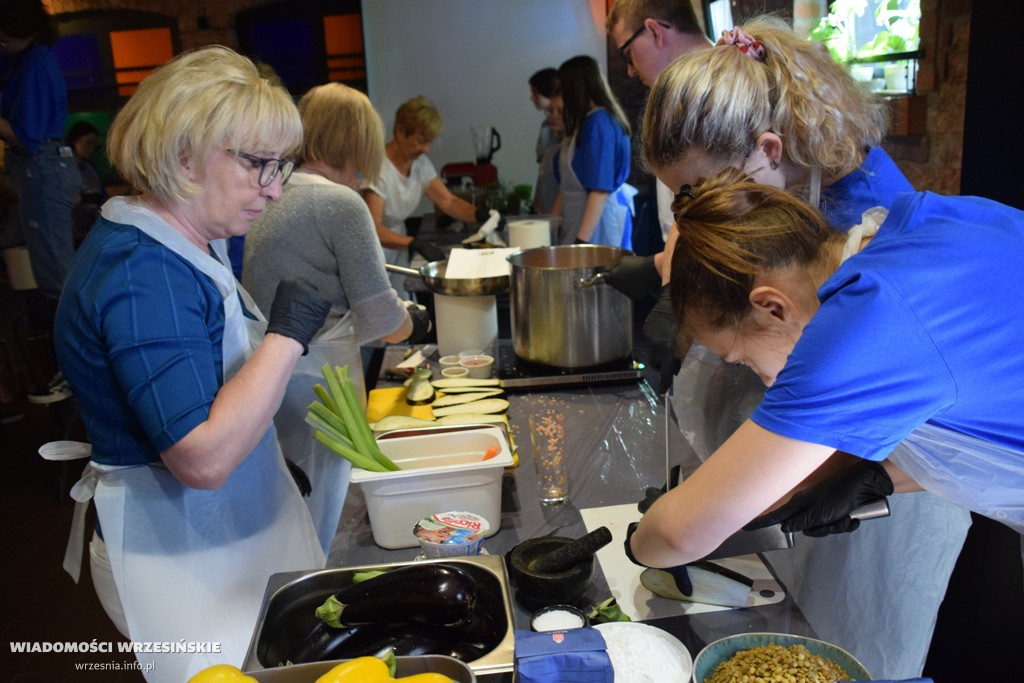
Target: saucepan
<point>432,275</point>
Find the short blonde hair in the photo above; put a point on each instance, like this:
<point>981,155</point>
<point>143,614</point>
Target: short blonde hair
<point>205,100</point>
<point>419,115</point>
<point>720,100</point>
<point>339,124</point>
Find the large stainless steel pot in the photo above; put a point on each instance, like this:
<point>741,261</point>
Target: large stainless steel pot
<point>563,313</point>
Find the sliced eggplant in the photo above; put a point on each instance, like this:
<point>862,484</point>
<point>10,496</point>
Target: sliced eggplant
<point>469,390</point>
<point>456,399</point>
<point>420,391</point>
<point>483,406</point>
<point>392,422</point>
<point>448,382</point>
<point>713,584</point>
<point>471,418</point>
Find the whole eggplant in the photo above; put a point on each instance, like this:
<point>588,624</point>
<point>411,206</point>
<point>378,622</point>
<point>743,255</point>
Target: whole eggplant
<point>435,593</point>
<point>406,638</point>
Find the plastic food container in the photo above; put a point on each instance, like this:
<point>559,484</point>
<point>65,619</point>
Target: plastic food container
<point>451,534</point>
<point>438,466</point>
<point>479,367</point>
<point>558,618</point>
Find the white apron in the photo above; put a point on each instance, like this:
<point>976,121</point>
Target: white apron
<point>886,580</point>
<point>191,566</point>
<point>328,472</point>
<point>611,229</point>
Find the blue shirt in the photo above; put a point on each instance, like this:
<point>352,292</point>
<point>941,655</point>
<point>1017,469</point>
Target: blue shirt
<point>923,325</point>
<point>138,335</point>
<point>876,182</point>
<point>35,99</point>
<point>602,156</point>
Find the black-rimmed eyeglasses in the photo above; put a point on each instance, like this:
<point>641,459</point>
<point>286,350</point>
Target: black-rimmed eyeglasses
<point>269,168</point>
<point>636,34</point>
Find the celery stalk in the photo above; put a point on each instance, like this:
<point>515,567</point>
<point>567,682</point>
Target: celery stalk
<point>349,392</point>
<point>357,459</point>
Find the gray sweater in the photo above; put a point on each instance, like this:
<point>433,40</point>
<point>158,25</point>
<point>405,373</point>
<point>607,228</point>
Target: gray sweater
<point>323,232</point>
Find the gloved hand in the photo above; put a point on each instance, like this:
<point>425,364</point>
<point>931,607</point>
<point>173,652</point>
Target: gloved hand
<point>652,493</point>
<point>661,330</point>
<point>824,508</point>
<point>301,480</point>
<point>428,250</point>
<point>421,324</point>
<point>482,215</point>
<point>298,311</point>
<point>635,276</point>
<point>678,573</point>
<point>579,241</point>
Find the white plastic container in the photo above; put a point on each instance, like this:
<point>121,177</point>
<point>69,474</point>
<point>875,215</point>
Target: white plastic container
<point>440,470</point>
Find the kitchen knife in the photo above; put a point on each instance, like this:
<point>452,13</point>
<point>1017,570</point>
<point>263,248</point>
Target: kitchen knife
<point>772,537</point>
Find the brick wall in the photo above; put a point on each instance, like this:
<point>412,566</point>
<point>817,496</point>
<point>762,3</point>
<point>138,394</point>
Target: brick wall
<point>932,160</point>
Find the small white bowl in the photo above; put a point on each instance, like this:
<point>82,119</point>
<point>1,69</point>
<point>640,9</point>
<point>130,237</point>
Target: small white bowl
<point>479,367</point>
<point>455,371</point>
<point>449,361</point>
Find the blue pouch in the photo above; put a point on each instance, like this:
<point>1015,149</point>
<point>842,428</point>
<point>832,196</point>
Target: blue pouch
<point>576,655</point>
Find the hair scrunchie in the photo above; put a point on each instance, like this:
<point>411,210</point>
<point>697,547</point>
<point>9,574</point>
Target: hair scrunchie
<point>744,41</point>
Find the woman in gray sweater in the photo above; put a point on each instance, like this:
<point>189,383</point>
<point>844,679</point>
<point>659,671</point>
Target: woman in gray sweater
<point>321,229</point>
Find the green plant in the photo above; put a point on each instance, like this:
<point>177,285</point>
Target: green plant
<point>523,192</point>
<point>898,19</point>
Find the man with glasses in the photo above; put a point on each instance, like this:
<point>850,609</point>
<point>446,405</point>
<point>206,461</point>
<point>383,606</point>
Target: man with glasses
<point>649,34</point>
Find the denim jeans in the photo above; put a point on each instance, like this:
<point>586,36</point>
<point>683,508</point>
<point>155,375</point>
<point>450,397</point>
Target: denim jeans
<point>47,185</point>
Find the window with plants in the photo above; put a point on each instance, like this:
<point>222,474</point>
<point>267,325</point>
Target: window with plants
<point>877,39</point>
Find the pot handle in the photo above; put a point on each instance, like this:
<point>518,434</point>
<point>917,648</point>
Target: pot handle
<point>595,279</point>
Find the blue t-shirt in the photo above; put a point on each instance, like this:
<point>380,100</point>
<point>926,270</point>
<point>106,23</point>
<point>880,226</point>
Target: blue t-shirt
<point>876,182</point>
<point>923,325</point>
<point>35,99</point>
<point>138,335</point>
<point>602,156</point>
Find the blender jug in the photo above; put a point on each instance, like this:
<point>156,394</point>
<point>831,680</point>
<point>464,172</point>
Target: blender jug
<point>486,142</point>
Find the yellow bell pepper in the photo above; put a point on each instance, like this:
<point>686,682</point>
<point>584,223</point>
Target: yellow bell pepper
<point>221,673</point>
<point>373,670</point>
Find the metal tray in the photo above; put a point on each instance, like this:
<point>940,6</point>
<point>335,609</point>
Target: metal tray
<point>405,666</point>
<point>291,598</point>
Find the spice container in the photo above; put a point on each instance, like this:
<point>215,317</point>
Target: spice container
<point>451,534</point>
<point>558,618</point>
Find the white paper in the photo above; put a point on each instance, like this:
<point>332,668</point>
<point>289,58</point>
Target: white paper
<point>478,263</point>
<point>623,576</point>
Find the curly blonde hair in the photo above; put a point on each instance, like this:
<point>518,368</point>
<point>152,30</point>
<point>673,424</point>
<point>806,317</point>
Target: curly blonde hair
<point>720,100</point>
<point>200,102</point>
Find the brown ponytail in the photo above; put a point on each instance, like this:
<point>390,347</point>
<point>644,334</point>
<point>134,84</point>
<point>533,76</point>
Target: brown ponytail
<point>731,231</point>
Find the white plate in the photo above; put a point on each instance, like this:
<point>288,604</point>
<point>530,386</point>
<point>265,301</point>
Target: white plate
<point>645,654</point>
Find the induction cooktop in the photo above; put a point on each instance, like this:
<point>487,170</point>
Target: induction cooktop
<point>517,373</point>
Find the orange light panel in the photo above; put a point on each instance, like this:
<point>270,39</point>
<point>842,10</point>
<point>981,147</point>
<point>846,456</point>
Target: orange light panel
<point>343,34</point>
<point>145,47</point>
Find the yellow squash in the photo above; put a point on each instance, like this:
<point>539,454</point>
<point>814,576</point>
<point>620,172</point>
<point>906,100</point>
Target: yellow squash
<point>373,670</point>
<point>221,673</point>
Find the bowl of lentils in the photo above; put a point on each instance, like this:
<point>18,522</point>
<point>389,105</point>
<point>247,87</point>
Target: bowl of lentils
<point>775,657</point>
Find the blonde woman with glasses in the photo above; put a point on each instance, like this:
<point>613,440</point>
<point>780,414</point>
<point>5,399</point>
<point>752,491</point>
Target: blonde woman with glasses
<point>178,373</point>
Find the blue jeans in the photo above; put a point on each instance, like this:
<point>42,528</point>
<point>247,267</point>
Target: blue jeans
<point>47,185</point>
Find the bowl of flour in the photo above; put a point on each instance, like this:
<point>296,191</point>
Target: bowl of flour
<point>645,654</point>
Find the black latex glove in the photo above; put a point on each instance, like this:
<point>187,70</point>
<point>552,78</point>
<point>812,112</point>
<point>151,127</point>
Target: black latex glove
<point>298,311</point>
<point>579,241</point>
<point>679,573</point>
<point>652,493</point>
<point>482,215</point>
<point>661,330</point>
<point>428,250</point>
<point>301,480</point>
<point>824,508</point>
<point>421,324</point>
<point>635,276</point>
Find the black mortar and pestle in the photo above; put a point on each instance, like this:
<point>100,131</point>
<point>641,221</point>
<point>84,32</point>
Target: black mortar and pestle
<point>554,569</point>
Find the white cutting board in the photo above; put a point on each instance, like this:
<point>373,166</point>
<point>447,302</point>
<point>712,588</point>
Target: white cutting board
<point>624,577</point>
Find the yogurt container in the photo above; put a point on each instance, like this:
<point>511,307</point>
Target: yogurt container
<point>451,534</point>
